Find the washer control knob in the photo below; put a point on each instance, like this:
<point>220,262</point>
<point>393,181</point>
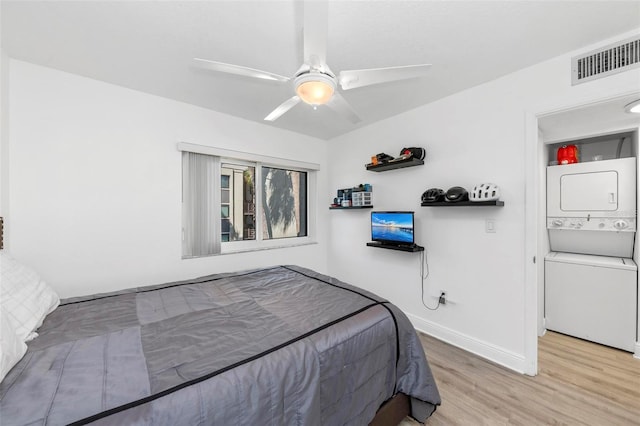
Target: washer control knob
<point>557,222</point>
<point>620,224</point>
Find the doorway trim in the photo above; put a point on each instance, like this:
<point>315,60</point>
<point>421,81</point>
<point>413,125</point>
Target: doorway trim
<point>535,220</point>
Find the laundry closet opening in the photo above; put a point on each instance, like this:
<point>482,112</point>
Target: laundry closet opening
<point>590,276</point>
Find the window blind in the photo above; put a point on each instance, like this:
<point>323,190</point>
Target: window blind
<point>201,204</point>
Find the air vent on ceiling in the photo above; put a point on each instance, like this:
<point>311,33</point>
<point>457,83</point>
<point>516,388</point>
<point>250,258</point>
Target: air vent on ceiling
<point>612,59</point>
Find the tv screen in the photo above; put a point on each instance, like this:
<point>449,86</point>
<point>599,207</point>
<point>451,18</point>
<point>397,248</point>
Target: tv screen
<point>392,227</point>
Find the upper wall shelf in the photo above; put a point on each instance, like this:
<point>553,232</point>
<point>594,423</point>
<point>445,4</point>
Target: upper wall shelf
<point>496,203</point>
<point>394,165</point>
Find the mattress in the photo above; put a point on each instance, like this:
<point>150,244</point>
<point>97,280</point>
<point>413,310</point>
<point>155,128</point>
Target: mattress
<point>280,345</point>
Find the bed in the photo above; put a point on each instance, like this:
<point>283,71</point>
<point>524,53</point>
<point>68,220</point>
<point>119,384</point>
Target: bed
<point>279,345</point>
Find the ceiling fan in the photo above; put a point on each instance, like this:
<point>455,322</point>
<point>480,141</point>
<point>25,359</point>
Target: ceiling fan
<point>314,82</point>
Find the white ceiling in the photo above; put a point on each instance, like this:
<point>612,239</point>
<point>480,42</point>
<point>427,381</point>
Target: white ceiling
<point>601,118</point>
<point>149,45</point>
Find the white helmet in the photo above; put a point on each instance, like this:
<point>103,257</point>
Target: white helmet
<point>485,192</point>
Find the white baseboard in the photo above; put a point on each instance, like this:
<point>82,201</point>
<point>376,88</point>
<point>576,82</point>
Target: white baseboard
<point>636,353</point>
<point>486,350</point>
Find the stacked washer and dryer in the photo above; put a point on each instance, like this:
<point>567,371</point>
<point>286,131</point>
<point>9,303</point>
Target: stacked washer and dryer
<point>590,277</point>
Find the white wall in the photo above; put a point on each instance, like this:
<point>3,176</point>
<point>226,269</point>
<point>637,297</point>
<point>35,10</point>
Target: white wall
<point>4,135</point>
<point>95,182</point>
<point>475,136</point>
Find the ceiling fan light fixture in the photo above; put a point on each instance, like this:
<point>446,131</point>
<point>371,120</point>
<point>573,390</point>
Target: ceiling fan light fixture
<point>315,88</point>
<point>633,107</point>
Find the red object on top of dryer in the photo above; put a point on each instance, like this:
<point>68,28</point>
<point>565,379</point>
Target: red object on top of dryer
<point>567,154</point>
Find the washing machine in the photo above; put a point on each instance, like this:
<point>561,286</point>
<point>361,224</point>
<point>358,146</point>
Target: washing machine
<point>592,298</point>
<point>590,278</point>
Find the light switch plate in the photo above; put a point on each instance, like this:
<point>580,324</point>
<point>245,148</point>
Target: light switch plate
<point>490,226</point>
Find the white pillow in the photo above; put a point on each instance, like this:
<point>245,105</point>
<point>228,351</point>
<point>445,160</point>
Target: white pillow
<point>12,348</point>
<point>24,297</point>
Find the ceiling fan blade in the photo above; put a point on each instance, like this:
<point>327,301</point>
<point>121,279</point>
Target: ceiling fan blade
<point>350,79</point>
<point>342,107</point>
<point>315,32</point>
<point>238,70</point>
<point>282,108</point>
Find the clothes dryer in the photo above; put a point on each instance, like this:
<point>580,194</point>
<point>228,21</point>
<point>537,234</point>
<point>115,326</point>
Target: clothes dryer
<point>591,207</point>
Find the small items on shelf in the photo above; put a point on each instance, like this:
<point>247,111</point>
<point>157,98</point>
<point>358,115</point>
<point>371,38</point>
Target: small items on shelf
<point>356,197</point>
<point>361,199</point>
<point>408,157</point>
<point>484,194</point>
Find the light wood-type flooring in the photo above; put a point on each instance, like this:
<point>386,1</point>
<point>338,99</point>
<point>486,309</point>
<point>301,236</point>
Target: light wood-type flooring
<point>578,383</point>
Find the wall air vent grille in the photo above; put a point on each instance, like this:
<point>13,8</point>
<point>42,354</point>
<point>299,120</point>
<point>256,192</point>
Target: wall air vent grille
<point>612,59</point>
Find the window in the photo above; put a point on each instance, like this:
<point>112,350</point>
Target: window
<point>284,203</point>
<point>237,204</point>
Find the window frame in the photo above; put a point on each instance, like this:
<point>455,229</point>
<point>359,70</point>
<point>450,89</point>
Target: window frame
<point>233,162</point>
<point>223,203</point>
<point>260,161</point>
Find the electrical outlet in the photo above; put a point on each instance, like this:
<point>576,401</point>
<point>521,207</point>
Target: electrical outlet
<point>442,300</point>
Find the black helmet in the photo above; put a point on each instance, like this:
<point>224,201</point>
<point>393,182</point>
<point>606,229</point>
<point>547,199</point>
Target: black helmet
<point>432,195</point>
<point>455,194</point>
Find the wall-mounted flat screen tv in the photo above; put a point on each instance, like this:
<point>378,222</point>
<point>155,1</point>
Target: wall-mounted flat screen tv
<point>392,227</point>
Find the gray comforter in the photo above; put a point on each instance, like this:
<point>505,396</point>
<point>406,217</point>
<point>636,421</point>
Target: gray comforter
<point>279,346</point>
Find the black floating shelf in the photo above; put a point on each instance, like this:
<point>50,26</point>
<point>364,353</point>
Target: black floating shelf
<point>399,248</point>
<point>496,203</point>
<point>395,165</point>
<point>350,207</point>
